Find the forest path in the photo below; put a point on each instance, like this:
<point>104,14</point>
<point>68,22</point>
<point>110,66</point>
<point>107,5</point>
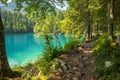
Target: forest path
<point>77,64</point>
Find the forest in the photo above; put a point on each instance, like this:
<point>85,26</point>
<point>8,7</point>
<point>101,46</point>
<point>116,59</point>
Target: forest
<point>89,48</point>
<point>15,22</point>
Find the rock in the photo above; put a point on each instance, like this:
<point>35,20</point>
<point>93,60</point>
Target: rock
<point>79,48</point>
<point>75,78</point>
<point>75,68</point>
<point>69,66</point>
<point>65,67</point>
<point>118,39</point>
<point>107,64</point>
<point>60,70</point>
<point>92,61</point>
<point>85,58</point>
<point>61,62</point>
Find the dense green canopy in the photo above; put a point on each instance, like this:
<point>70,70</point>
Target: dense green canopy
<point>83,17</point>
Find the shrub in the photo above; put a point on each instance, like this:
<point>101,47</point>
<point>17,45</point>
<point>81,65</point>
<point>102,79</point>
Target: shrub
<point>50,52</point>
<point>104,51</point>
<point>102,48</point>
<point>70,44</point>
<point>45,61</point>
<point>49,56</point>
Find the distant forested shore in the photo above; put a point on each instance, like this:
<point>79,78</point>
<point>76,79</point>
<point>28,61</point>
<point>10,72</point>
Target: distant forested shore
<point>15,22</point>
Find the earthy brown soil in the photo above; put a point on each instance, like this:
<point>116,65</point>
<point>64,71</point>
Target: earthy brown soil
<point>78,64</point>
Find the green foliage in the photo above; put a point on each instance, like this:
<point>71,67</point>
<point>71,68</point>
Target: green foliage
<point>16,22</point>
<point>49,54</point>
<point>105,51</point>
<point>51,24</point>
<point>102,47</point>
<point>116,51</point>
<point>45,61</point>
<point>71,43</point>
<point>39,8</point>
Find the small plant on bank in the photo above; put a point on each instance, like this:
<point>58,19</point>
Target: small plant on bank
<point>70,44</point>
<point>50,52</point>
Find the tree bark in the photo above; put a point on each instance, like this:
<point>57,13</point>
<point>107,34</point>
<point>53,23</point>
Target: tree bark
<point>111,18</point>
<point>88,31</point>
<point>5,70</point>
<point>97,29</point>
<point>89,26</point>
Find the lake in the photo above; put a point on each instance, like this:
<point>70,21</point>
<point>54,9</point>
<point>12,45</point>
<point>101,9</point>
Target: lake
<point>24,48</point>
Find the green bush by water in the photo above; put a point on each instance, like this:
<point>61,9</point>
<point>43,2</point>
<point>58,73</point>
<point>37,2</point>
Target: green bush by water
<point>50,52</point>
<point>45,61</point>
<point>72,43</point>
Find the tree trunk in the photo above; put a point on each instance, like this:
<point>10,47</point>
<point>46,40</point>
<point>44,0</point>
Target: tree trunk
<point>5,70</point>
<point>89,26</point>
<point>111,17</point>
<point>88,31</point>
<point>97,28</point>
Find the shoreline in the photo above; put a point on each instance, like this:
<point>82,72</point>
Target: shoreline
<point>19,33</point>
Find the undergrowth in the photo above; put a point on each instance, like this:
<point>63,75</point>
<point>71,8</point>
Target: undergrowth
<point>104,52</point>
<point>71,44</point>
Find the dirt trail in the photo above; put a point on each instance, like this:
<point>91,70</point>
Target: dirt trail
<point>77,64</point>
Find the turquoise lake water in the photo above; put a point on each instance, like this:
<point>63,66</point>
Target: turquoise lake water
<point>24,48</point>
